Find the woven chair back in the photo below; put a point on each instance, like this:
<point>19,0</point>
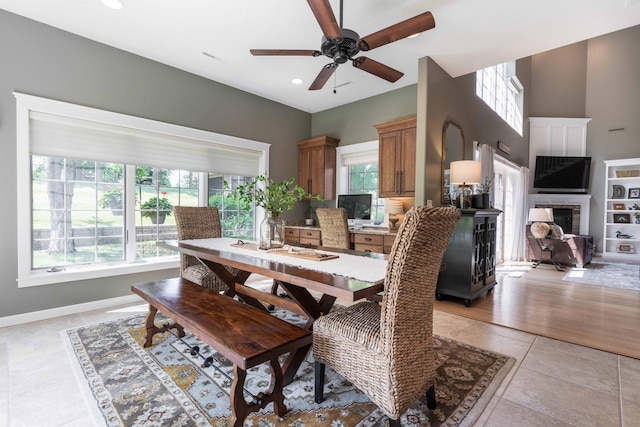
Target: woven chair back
<point>334,227</point>
<point>196,222</point>
<point>406,320</point>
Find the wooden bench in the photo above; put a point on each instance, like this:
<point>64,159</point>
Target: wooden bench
<point>243,334</point>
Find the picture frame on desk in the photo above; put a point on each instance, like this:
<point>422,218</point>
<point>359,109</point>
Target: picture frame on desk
<point>634,193</point>
<point>619,207</point>
<point>622,218</point>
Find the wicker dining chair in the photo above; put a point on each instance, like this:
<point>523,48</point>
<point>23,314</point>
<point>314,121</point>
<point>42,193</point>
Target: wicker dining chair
<point>199,222</point>
<point>386,350</point>
<point>334,227</point>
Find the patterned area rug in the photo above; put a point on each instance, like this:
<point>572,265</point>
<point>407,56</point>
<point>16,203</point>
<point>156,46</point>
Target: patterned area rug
<point>611,274</point>
<point>166,386</point>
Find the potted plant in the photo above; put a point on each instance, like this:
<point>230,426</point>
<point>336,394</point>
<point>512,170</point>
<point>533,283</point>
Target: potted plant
<point>157,209</point>
<point>274,197</point>
<point>480,200</point>
<point>113,199</point>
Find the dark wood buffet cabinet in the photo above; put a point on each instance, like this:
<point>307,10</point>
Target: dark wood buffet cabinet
<point>470,258</point>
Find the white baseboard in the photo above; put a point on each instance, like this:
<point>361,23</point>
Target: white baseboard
<point>67,310</point>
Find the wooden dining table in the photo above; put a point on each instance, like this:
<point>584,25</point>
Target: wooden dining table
<point>311,290</point>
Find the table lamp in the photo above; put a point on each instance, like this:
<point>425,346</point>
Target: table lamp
<point>540,217</point>
<point>393,207</point>
<point>465,173</point>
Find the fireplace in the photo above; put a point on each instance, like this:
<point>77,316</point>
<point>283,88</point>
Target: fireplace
<point>564,218</point>
<point>570,211</point>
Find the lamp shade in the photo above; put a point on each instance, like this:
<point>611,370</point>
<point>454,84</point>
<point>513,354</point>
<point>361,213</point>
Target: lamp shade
<point>393,206</point>
<point>541,215</point>
<point>465,172</point>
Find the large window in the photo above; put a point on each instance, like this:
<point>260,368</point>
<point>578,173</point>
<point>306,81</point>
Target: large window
<point>85,210</point>
<point>500,89</point>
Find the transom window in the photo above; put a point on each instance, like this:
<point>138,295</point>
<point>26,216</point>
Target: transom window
<point>500,89</point>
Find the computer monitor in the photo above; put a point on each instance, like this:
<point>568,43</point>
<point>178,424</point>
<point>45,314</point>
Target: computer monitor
<point>358,207</point>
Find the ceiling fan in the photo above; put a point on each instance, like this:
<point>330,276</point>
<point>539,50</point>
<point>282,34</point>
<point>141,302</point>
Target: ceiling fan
<point>341,44</point>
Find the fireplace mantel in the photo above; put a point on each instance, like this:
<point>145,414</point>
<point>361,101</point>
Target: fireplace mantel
<point>582,200</point>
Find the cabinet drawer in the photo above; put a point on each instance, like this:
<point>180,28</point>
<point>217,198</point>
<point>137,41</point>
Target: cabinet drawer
<point>308,241</point>
<point>310,234</point>
<point>291,232</point>
<point>369,239</point>
<point>291,235</point>
<point>368,248</point>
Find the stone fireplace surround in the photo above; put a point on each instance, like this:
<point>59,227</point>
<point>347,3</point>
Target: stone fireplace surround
<point>579,203</point>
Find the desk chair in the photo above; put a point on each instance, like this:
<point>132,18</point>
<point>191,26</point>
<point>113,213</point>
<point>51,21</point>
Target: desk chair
<point>386,350</point>
<point>334,227</point>
<point>199,222</point>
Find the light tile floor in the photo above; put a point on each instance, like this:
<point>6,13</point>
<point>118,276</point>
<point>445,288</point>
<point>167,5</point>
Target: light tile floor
<point>553,383</point>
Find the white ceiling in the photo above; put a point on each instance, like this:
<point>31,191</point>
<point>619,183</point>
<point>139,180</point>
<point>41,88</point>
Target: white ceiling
<point>469,35</point>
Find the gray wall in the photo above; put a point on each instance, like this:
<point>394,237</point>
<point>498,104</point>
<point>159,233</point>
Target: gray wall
<point>559,86</point>
<point>456,100</point>
<point>353,123</point>
<point>44,61</point>
<point>612,101</point>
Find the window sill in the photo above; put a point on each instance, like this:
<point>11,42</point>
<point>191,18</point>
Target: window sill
<point>72,274</point>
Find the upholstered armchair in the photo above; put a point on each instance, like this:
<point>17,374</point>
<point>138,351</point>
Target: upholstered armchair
<point>386,349</point>
<point>199,222</point>
<point>334,227</point>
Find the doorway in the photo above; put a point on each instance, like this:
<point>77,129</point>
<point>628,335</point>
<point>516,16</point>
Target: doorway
<point>506,177</point>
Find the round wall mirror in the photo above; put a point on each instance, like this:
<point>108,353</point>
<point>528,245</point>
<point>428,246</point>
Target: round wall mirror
<point>452,150</point>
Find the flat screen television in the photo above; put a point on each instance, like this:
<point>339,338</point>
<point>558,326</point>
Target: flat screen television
<point>562,173</point>
<point>358,206</point>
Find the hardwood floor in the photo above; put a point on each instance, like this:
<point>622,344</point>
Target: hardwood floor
<point>541,303</point>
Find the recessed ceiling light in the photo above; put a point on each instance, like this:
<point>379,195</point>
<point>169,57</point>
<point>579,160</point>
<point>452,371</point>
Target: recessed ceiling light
<point>413,36</point>
<point>297,81</point>
<point>113,4</point>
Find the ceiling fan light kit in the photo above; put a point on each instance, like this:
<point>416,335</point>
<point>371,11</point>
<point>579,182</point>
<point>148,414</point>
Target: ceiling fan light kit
<point>342,44</point>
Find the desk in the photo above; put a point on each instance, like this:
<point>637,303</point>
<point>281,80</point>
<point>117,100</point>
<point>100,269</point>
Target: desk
<point>297,281</point>
<point>367,239</point>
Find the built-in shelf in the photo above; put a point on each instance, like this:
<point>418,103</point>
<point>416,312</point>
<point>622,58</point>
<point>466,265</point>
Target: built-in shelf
<point>619,209</point>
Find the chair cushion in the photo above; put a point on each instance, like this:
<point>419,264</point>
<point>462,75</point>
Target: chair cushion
<point>359,323</point>
<point>204,277</point>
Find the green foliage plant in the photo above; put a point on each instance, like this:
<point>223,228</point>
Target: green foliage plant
<point>112,198</point>
<point>157,206</point>
<point>274,197</point>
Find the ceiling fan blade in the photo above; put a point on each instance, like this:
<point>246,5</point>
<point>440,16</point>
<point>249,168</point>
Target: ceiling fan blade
<point>323,76</point>
<point>287,52</point>
<point>401,30</point>
<point>325,17</point>
<point>377,69</point>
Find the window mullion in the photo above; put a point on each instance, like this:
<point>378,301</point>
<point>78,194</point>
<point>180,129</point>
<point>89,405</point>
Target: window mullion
<point>130,212</point>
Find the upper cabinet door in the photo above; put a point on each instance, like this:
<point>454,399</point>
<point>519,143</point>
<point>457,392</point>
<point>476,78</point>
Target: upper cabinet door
<point>317,166</point>
<point>397,158</point>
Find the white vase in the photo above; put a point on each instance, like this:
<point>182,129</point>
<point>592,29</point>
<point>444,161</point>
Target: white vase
<point>271,232</point>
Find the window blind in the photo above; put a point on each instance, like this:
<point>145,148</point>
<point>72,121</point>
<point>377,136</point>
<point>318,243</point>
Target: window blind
<point>55,128</point>
<point>59,136</point>
<point>360,158</point>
